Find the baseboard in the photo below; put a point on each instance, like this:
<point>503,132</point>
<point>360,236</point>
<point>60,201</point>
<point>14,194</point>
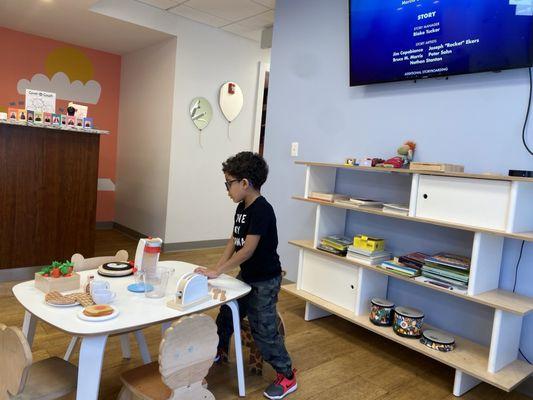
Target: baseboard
<point>104,225</point>
<point>200,244</point>
<point>172,247</point>
<point>128,231</point>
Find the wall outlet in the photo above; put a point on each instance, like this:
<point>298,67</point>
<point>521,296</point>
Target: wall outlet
<point>294,149</point>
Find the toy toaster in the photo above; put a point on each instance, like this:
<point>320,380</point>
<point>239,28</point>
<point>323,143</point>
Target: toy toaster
<point>191,290</point>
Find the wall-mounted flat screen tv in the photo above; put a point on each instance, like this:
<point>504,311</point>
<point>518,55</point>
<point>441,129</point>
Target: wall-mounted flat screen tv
<point>394,40</point>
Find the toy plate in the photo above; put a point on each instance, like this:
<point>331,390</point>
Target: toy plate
<point>84,317</point>
<point>139,288</point>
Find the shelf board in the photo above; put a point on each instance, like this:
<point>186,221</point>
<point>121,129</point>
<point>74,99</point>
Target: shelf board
<point>468,356</point>
<point>498,299</point>
<point>527,236</point>
<point>493,177</point>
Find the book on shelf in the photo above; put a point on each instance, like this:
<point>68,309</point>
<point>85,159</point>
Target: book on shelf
<point>449,286</point>
<point>443,279</point>
<point>335,244</point>
<point>366,260</point>
<point>365,202</point>
<point>449,260</point>
<point>338,242</point>
<point>438,167</point>
<point>399,268</point>
<point>450,273</point>
<point>330,197</point>
<point>399,209</point>
<point>414,260</point>
<point>331,250</point>
<point>367,253</point>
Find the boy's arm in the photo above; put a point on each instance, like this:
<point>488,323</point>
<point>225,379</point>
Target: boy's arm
<point>228,252</point>
<point>235,260</point>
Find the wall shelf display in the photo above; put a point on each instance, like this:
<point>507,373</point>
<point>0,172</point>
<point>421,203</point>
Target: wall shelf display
<point>493,207</point>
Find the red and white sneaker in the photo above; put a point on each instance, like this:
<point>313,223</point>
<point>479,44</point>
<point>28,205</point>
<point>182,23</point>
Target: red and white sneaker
<point>281,387</point>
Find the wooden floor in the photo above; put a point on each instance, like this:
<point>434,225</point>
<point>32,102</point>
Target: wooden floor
<point>335,359</point>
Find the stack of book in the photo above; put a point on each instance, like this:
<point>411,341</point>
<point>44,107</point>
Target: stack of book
<point>367,257</point>
<point>335,244</point>
<point>400,268</point>
<point>414,260</point>
<point>449,271</point>
<point>329,197</point>
<point>399,209</point>
<point>359,202</point>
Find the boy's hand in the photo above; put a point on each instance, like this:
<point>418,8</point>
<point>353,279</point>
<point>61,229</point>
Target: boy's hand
<point>207,272</point>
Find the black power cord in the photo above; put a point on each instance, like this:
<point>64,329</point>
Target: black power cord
<point>518,265</point>
<point>516,276</point>
<point>527,114</point>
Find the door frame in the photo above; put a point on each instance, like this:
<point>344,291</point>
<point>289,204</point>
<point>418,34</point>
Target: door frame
<point>263,67</point>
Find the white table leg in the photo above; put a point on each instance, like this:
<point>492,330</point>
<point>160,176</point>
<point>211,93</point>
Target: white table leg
<point>70,348</point>
<point>125,346</point>
<point>90,367</point>
<point>234,306</point>
<point>28,326</point>
<point>143,348</point>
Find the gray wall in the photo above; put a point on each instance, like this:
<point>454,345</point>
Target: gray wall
<point>473,120</point>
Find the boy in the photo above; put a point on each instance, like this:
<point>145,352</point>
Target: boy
<point>253,245</point>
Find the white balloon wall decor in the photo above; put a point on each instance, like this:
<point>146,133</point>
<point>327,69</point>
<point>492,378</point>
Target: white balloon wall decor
<point>231,100</point>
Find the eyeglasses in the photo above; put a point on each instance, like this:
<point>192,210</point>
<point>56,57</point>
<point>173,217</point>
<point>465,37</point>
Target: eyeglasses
<point>228,183</point>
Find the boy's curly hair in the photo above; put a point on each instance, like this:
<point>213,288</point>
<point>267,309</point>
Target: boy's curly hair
<point>247,165</point>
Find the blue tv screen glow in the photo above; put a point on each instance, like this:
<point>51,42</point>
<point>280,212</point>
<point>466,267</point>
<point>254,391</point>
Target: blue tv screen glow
<point>394,40</point>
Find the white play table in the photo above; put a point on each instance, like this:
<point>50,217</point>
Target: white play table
<point>136,312</point>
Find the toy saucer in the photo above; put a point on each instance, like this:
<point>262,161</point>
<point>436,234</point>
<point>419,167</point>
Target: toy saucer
<point>140,288</point>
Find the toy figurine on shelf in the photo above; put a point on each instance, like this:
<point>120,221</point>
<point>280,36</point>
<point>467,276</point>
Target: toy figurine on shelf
<point>406,154</point>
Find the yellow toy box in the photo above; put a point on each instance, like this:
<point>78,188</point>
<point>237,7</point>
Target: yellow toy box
<point>369,244</point>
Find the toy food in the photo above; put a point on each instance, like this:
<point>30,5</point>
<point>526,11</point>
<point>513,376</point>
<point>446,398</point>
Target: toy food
<point>98,310</point>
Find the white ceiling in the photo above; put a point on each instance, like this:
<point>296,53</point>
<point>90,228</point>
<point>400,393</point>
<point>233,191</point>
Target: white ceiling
<point>246,18</point>
<point>72,21</point>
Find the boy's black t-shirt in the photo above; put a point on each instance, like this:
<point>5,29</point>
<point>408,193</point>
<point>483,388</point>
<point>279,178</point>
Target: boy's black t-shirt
<point>258,219</point>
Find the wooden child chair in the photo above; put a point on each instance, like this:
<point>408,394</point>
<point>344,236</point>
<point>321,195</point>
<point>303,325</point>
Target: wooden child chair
<point>185,355</point>
<point>20,379</point>
<point>255,362</point>
<point>82,264</point>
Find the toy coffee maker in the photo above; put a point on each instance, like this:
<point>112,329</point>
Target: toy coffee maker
<point>147,254</point>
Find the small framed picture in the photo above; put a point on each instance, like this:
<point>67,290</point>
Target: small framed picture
<point>3,116</point>
<point>79,122</point>
<point>38,117</point>
<point>56,119</point>
<point>47,118</point>
<point>21,115</point>
<point>63,120</point>
<point>87,123</point>
<point>31,116</point>
<point>71,121</point>
<point>12,114</point>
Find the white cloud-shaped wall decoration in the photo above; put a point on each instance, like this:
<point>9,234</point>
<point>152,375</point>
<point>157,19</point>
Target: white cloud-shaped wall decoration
<point>64,89</point>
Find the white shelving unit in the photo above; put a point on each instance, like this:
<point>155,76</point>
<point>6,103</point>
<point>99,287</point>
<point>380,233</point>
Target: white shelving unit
<point>491,206</point>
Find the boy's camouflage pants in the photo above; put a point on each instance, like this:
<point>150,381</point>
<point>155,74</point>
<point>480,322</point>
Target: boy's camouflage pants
<point>260,307</point>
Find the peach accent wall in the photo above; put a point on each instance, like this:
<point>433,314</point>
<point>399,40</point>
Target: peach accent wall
<point>25,55</point>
